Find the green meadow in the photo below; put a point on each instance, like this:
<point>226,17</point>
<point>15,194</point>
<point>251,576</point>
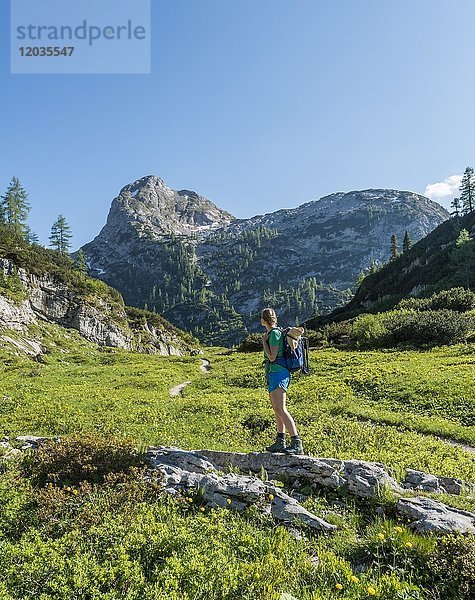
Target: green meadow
<point>119,538</point>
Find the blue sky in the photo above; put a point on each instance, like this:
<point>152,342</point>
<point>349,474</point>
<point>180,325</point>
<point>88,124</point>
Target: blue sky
<point>257,105</point>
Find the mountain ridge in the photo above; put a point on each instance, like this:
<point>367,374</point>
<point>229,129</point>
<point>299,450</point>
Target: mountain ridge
<point>179,254</point>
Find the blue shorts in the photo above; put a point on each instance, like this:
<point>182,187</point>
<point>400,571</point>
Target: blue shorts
<point>279,379</point>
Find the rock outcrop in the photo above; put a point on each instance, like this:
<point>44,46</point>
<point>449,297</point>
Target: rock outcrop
<point>428,515</point>
<point>418,480</point>
<point>184,469</point>
<point>207,472</point>
<point>46,298</point>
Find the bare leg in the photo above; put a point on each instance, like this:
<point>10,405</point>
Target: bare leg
<point>278,398</point>
<point>279,423</point>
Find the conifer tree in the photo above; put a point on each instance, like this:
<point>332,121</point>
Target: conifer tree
<point>456,205</point>
<point>80,263</point>
<point>14,207</point>
<point>407,242</point>
<point>394,247</point>
<point>60,235</point>
<point>467,190</point>
<point>30,235</point>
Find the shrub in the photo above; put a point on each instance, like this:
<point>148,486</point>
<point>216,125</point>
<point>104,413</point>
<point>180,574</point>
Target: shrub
<point>79,458</point>
<point>370,330</point>
<point>12,287</point>
<point>438,327</point>
<point>417,328</point>
<point>315,338</point>
<point>458,299</point>
<point>338,332</point>
<point>452,567</point>
<point>251,343</point>
<point>256,423</point>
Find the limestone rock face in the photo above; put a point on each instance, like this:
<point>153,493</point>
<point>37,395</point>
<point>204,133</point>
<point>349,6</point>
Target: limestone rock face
<point>365,479</point>
<point>361,478</point>
<point>48,299</point>
<point>207,471</point>
<point>418,480</point>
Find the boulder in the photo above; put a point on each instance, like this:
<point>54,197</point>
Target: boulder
<point>418,480</point>
<point>431,516</point>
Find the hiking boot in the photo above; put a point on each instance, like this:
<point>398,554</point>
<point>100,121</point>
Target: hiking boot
<point>295,447</point>
<point>277,446</point>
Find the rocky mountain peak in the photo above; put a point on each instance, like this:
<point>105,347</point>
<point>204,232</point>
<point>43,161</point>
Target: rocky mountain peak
<point>207,272</point>
<point>149,208</point>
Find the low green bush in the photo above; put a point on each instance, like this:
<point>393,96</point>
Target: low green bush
<point>370,330</point>
<point>251,343</point>
<point>412,327</point>
<point>458,299</point>
<point>78,458</point>
<point>315,337</point>
<point>434,327</point>
<point>338,332</point>
<point>12,288</point>
<point>451,568</point>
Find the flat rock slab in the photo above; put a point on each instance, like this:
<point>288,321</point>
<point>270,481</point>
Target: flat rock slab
<point>431,516</point>
<point>365,479</point>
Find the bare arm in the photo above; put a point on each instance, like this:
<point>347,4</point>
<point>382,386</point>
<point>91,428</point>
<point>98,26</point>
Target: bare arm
<point>271,351</point>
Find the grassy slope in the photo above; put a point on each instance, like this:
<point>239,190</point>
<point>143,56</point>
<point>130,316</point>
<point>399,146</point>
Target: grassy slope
<point>218,554</point>
<point>372,405</point>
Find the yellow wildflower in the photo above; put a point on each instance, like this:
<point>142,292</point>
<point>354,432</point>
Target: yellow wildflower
<point>371,591</point>
<point>381,536</point>
<point>271,497</point>
<point>408,544</point>
<point>338,586</point>
<point>75,492</point>
<point>398,529</point>
<point>202,508</point>
<point>354,579</point>
<point>228,501</point>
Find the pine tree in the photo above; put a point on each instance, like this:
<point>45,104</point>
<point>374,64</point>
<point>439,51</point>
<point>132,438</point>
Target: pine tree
<point>60,235</point>
<point>80,263</point>
<point>14,207</point>
<point>456,205</point>
<point>467,191</point>
<point>394,247</point>
<point>30,235</point>
<point>407,242</point>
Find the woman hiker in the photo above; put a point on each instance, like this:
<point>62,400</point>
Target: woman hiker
<point>278,379</point>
